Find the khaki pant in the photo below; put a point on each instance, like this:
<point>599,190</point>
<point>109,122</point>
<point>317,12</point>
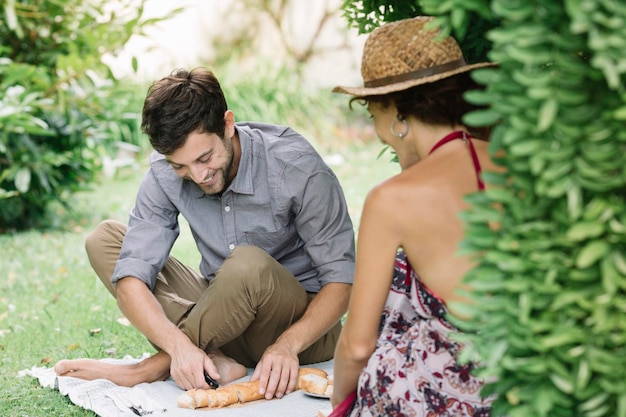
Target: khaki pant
<point>251,301</point>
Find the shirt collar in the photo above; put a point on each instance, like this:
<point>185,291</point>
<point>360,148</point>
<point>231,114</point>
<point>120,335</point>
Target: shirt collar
<point>242,183</point>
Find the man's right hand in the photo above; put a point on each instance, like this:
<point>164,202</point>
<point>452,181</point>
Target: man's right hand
<point>189,363</point>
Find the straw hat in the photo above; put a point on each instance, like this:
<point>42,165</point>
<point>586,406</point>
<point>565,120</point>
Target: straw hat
<point>404,54</point>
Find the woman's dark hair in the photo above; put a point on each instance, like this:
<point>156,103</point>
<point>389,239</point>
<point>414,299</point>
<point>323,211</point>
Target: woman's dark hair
<point>437,103</point>
<point>182,103</point>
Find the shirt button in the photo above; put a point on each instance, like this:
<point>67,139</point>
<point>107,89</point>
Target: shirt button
<point>227,209</point>
<point>231,246</point>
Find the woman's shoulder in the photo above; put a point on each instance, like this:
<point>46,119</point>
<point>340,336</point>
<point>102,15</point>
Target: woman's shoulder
<point>401,192</point>
<point>417,180</point>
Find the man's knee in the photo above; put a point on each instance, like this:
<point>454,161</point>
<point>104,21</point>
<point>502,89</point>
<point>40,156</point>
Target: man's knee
<point>102,234</point>
<point>103,247</point>
<point>247,259</point>
<point>250,266</point>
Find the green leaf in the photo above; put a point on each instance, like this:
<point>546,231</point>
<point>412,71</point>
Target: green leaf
<point>561,383</point>
<point>486,117</point>
<point>496,178</point>
<point>11,18</point>
<point>620,113</point>
<point>527,147</point>
<point>544,402</point>
<point>500,195</point>
<point>591,253</point>
<point>22,179</point>
<point>486,76</point>
<point>584,230</point>
<point>547,114</point>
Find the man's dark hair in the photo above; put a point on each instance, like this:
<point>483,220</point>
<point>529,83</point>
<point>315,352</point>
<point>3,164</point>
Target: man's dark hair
<point>437,103</point>
<point>182,103</point>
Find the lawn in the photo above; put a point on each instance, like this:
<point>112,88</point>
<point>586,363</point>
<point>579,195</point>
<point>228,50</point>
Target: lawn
<point>52,306</point>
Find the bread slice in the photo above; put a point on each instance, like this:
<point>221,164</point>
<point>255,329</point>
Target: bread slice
<point>226,396</point>
<point>185,400</point>
<point>313,383</point>
<point>248,391</point>
<point>210,399</point>
<point>312,380</point>
<point>308,371</point>
<point>197,398</point>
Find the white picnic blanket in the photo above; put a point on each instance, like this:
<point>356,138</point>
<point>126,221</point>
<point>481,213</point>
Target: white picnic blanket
<point>106,399</point>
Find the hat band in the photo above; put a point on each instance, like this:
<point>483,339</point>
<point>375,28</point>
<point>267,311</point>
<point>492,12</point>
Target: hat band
<point>420,73</point>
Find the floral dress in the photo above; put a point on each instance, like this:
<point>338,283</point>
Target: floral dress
<point>414,371</point>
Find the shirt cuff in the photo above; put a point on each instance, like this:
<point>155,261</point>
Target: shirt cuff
<point>342,272</point>
<point>135,268</point>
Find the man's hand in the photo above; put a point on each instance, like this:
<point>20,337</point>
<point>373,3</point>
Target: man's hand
<point>277,371</point>
<point>189,363</point>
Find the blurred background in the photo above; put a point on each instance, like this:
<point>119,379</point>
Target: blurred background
<point>312,34</point>
<point>73,76</point>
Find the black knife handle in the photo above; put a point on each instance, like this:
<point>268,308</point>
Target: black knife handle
<point>212,383</point>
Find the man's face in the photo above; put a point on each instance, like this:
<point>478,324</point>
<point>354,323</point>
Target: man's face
<point>205,159</point>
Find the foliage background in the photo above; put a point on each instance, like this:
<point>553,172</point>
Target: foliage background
<point>61,106</point>
<point>547,322</point>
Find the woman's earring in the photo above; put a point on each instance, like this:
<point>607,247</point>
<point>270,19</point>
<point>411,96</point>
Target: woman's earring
<point>399,134</point>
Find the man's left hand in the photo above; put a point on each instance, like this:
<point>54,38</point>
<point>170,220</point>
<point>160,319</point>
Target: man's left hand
<point>277,371</point>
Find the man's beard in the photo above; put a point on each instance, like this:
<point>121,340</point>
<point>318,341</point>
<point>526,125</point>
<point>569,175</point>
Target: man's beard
<point>228,145</point>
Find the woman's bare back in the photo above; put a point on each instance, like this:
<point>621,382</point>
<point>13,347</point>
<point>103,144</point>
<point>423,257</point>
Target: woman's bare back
<point>427,199</point>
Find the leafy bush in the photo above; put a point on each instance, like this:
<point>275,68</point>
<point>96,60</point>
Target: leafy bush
<point>549,288</point>
<point>57,103</point>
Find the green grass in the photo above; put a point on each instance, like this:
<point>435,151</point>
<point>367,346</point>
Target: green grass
<point>52,306</point>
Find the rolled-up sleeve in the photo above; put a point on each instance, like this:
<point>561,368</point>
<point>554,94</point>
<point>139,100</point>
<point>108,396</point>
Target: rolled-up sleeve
<point>323,222</point>
<point>152,231</point>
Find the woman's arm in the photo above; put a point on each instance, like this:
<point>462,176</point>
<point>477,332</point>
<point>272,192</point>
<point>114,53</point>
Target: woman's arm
<point>378,241</point>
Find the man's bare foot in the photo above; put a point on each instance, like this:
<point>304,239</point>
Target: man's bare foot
<point>155,368</point>
<point>228,368</point>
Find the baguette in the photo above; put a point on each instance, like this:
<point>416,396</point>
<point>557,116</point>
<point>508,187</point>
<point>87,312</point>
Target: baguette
<point>242,392</point>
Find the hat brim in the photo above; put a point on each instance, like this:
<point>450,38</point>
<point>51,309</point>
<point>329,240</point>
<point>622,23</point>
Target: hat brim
<point>392,88</point>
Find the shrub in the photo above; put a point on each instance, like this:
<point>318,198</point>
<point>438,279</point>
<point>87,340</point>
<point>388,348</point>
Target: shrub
<point>57,107</point>
<point>549,288</point>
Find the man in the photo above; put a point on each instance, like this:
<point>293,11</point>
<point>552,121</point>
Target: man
<point>270,221</point>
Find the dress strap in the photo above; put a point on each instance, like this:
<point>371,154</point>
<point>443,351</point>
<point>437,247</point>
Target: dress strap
<point>461,134</point>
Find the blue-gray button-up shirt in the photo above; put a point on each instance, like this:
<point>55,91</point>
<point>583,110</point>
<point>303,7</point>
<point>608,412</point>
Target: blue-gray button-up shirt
<point>284,199</point>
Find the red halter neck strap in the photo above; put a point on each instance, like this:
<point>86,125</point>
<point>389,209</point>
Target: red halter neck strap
<point>461,134</point>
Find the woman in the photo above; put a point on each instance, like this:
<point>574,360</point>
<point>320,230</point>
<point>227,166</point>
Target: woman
<point>407,269</point>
